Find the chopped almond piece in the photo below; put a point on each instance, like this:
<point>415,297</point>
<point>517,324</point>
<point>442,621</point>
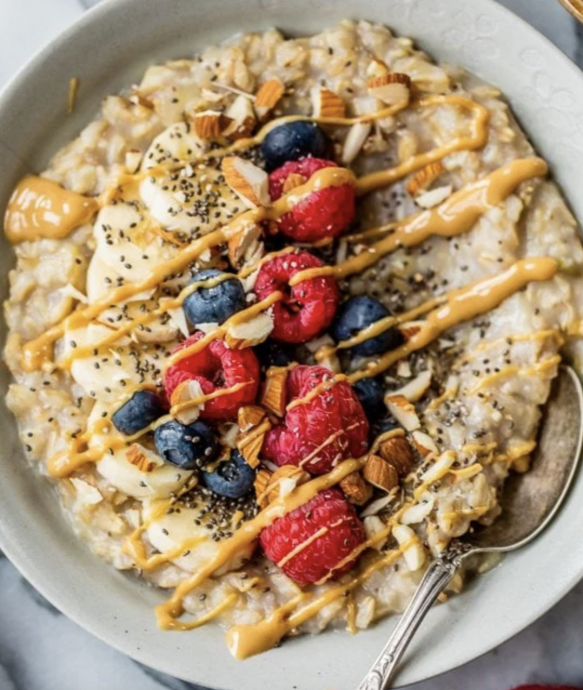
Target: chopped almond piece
<point>421,180</point>
<point>398,453</point>
<point>135,455</point>
<point>284,480</point>
<point>355,489</point>
<point>416,389</point>
<point>273,397</point>
<point>403,411</point>
<point>242,117</point>
<point>210,124</point>
<point>327,104</point>
<point>268,97</point>
<point>292,181</point>
<point>249,443</point>
<point>354,141</point>
<point>249,333</point>
<point>247,180</point>
<point>434,197</point>
<point>393,88</point>
<point>261,482</point>
<point>380,473</point>
<point>424,443</point>
<point>250,416</point>
<point>411,328</point>
<point>245,246</point>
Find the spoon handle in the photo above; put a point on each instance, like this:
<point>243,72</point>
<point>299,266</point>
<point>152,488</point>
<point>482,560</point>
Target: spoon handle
<point>439,574</point>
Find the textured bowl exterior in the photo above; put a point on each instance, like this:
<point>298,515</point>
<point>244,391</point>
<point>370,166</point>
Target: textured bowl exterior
<point>109,48</point>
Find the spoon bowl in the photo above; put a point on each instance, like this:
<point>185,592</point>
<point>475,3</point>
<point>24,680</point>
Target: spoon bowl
<point>529,502</point>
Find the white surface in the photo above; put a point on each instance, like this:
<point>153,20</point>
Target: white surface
<point>548,651</point>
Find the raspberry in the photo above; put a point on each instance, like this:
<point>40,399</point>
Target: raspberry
<point>319,433</point>
<point>321,556</point>
<point>308,308</point>
<point>323,213</point>
<point>217,367</point>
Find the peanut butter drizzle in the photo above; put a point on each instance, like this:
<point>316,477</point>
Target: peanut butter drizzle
<point>454,217</point>
<point>476,140</point>
<point>249,531</point>
<point>40,208</point>
<point>511,369</point>
<point>203,620</point>
<point>465,304</point>
<point>65,463</point>
<point>316,391</point>
<point>379,327</point>
<point>244,641</point>
<point>238,318</point>
<point>169,304</point>
<point>39,351</point>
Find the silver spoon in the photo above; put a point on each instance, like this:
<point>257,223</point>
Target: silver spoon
<point>529,502</point>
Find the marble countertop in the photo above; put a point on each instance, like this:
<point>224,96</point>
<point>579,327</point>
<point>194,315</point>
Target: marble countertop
<point>40,649</point>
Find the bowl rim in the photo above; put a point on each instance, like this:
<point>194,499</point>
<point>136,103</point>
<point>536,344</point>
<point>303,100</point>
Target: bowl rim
<point>17,552</point>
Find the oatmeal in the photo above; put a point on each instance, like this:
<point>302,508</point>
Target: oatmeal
<point>282,322</point>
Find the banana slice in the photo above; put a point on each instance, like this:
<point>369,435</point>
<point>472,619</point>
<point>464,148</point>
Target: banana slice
<point>193,199</point>
<point>107,376</point>
<point>127,243</point>
<point>179,529</point>
<point>177,143</point>
<point>116,469</point>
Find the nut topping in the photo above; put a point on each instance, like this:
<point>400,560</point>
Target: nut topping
<point>380,473</point>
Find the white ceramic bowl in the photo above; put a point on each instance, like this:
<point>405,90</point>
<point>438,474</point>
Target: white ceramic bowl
<point>108,49</point>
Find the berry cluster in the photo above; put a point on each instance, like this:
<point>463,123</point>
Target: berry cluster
<point>325,419</point>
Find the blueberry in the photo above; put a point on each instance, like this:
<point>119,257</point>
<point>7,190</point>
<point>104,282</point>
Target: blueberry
<point>358,313</point>
<point>273,354</point>
<point>371,396</point>
<point>187,447</point>
<point>232,479</point>
<point>143,408</point>
<point>293,141</point>
<point>214,304</point>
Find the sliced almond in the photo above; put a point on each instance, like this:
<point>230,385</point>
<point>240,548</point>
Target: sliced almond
<point>268,96</point>
<point>274,395</point>
<point>439,468</point>
<point>211,96</point>
<point>250,416</point>
<point>137,457</point>
<point>184,393</point>
<point>415,389</point>
<point>210,124</point>
<point>413,551</point>
<point>424,443</point>
<point>376,68</point>
<point>326,103</point>
<point>403,411</point>
<point>373,525</point>
<point>245,247</point>
<point>133,160</point>
<point>393,88</point>
<point>404,369</point>
<point>284,481</point>
<point>355,489</point>
<point>355,139</point>
<point>243,119</point>
<point>247,180</point>
<point>423,179</point>
<point>411,328</point>
<point>249,333</point>
<point>260,485</point>
<point>377,506</point>
<point>434,197</point>
<point>398,453</point>
<point>292,181</point>
<point>250,443</point>
<point>380,473</point>
<point>417,512</point>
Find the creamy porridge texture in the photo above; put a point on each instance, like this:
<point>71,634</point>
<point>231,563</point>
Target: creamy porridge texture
<point>282,321</point>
